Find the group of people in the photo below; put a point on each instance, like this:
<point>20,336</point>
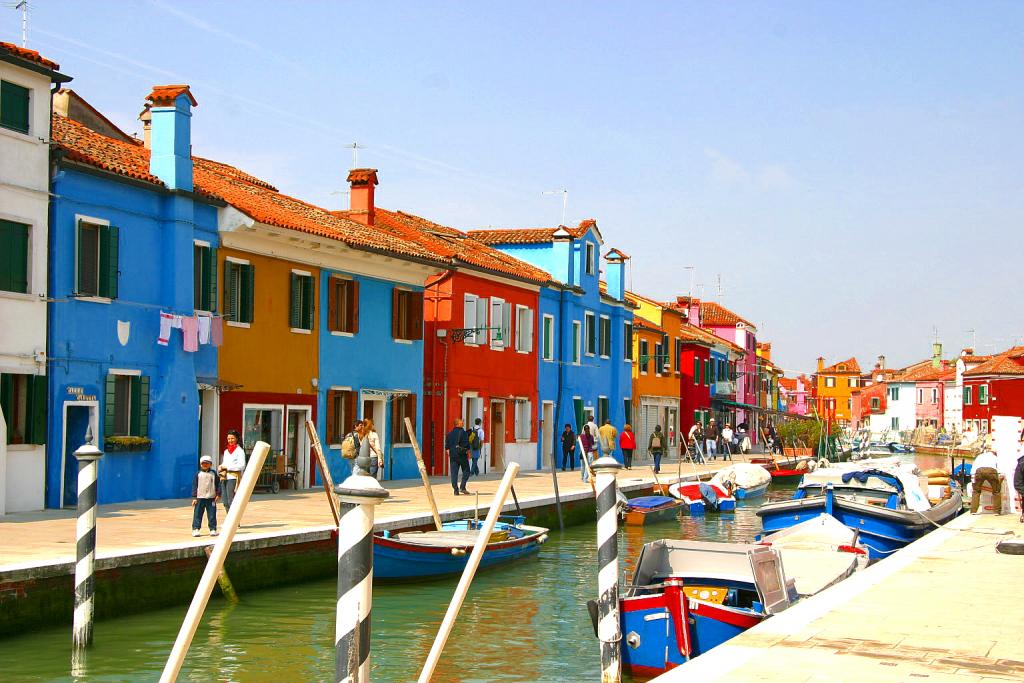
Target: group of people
<point>597,441</point>
<point>210,487</point>
<point>707,443</point>
<point>463,446</point>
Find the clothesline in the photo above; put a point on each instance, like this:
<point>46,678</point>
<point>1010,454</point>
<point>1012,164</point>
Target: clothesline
<point>195,329</point>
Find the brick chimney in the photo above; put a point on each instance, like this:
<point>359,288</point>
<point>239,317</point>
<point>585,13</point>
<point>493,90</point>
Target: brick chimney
<point>881,362</point>
<point>170,135</point>
<point>821,363</point>
<point>936,354</point>
<point>362,182</point>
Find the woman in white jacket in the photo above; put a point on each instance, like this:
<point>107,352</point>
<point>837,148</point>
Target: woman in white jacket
<point>376,452</point>
<point>232,463</point>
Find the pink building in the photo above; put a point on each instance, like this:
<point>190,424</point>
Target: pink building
<point>795,394</point>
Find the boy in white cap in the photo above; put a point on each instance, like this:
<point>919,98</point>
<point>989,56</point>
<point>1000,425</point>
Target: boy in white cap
<point>205,494</point>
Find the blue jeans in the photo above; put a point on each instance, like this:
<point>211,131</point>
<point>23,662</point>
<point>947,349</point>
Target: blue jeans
<point>710,448</point>
<point>475,467</point>
<point>209,505</point>
<point>657,461</point>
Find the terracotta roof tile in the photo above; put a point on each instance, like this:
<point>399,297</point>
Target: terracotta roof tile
<point>528,235</point>
<point>166,94</point>
<point>712,313</point>
<point>89,147</point>
<point>363,176</point>
<point>925,372</point>
<point>852,366</point>
<point>28,55</point>
<point>1009,362</point>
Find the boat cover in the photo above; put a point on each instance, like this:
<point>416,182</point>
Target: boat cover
<point>649,502</point>
<point>742,475</point>
<point>709,494</point>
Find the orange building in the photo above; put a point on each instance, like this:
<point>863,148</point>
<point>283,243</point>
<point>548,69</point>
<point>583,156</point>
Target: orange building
<point>834,387</point>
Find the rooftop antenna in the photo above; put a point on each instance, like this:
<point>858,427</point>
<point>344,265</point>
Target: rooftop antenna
<point>689,293</point>
<point>974,338</point>
<point>23,6</point>
<point>355,147</point>
<point>565,200</point>
<point>719,278</point>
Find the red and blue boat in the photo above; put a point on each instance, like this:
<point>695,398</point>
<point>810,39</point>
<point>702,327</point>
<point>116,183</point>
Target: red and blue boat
<point>411,554</point>
<point>699,496</point>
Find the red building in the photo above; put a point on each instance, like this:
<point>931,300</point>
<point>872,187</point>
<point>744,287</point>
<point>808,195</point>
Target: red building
<point>694,363</point>
<point>995,387</point>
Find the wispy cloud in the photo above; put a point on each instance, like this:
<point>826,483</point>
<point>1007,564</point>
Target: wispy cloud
<point>206,26</point>
<point>725,170</point>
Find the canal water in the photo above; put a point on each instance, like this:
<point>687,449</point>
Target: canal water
<point>524,621</point>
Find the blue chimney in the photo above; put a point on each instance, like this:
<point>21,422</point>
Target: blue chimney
<point>615,274</point>
<point>170,135</point>
<point>562,256</point>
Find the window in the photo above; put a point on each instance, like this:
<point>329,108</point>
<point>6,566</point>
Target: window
<point>97,260</point>
<point>627,341</point>
<point>14,106</point>
<point>239,290</point>
<point>523,414</point>
<point>935,395</point>
<point>126,409</point>
<point>591,264</point>
<point>705,379</point>
<point>644,355</point>
<point>341,414</point>
<point>501,322</point>
<point>547,337</point>
<point>23,402</point>
<point>666,359</point>
<point>402,407</point>
<point>677,358</point>
<point>474,317</point>
<point>968,390</point>
<point>406,314</point>
<point>627,411</point>
<point>659,356</point>
<point>894,393</point>
<point>876,403</point>
<point>852,382</point>
<point>605,337</point>
<point>849,404</point>
<point>696,371</point>
<point>524,329</point>
<point>983,395</point>
<point>591,334</point>
<point>895,424</point>
<point>576,339</point>
<point>577,408</point>
<point>343,305</point>
<point>920,396</point>
<point>204,278</point>
<point>300,308</point>
<point>602,411</point>
<point>14,257</point>
<point>830,382</point>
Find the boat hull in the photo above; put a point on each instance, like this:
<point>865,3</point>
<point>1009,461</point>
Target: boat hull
<point>882,531</point>
<point>693,500</point>
<point>639,517</point>
<point>743,493</point>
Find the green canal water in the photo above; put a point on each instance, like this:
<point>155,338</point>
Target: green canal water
<point>524,621</point>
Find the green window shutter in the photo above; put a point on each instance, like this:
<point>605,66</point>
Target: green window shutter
<point>88,236</point>
<point>37,398</point>
<point>14,256</point>
<point>230,291</point>
<point>696,370</point>
<point>140,406</point>
<point>308,308</point>
<point>210,280</point>
<point>577,404</point>
<point>14,106</point>
<point>248,292</point>
<point>108,262</point>
<point>109,406</point>
<point>295,293</point>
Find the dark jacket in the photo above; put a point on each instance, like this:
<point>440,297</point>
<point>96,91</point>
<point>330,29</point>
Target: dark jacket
<point>711,433</point>
<point>588,442</point>
<point>568,440</point>
<point>650,442</point>
<point>457,443</point>
<point>1018,476</point>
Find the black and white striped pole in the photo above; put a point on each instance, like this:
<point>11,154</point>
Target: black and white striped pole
<point>358,495</point>
<point>88,465</point>
<point>608,629</point>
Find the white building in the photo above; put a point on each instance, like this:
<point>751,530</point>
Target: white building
<point>900,409</point>
<point>25,80</point>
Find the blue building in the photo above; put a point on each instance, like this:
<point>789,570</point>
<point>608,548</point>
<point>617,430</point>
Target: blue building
<point>130,240</point>
<point>586,328</point>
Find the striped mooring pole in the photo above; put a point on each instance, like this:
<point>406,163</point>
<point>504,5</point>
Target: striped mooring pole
<point>358,495</point>
<point>88,465</point>
<point>608,629</point>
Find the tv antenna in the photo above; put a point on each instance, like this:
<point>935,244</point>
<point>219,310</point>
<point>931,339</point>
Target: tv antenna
<point>565,200</point>
<point>355,147</point>
<point>690,292</point>
<point>718,278</point>
<point>23,6</point>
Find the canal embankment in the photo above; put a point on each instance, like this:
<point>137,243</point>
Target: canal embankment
<point>945,608</point>
<point>147,558</point>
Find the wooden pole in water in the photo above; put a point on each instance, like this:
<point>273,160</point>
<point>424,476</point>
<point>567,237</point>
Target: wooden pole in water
<point>423,472</point>
<point>558,499</point>
<point>479,546</point>
<point>325,474</point>
<point>88,457</point>
<point>215,564</point>
<point>585,462</point>
<point>608,629</point>
<point>223,580</point>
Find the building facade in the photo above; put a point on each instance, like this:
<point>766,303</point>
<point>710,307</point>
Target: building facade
<point>993,388</point>
<point>834,386</point>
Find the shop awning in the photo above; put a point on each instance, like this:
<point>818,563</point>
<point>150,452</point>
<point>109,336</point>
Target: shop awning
<point>217,384</point>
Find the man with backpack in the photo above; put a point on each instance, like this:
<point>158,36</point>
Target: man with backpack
<point>476,445</point>
<point>457,445</point>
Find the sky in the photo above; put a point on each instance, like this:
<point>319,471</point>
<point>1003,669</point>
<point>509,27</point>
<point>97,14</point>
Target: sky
<point>847,176</point>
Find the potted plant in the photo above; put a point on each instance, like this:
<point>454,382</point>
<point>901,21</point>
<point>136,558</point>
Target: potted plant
<point>127,444</point>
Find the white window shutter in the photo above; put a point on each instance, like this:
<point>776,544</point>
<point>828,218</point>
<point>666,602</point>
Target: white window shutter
<point>469,320</point>
<point>496,323</point>
<point>506,324</point>
<point>529,330</point>
<point>481,320</point>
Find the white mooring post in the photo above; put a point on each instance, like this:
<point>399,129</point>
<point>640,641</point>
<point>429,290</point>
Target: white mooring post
<point>358,495</point>
<point>608,630</point>
<point>88,465</point>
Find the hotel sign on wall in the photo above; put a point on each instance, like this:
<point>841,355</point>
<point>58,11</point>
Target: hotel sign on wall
<point>79,394</point>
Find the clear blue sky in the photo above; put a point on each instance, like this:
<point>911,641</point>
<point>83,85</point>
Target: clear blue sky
<point>853,171</point>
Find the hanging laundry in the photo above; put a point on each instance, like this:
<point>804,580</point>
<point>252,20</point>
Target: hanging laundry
<point>190,330</point>
<point>176,322</point>
<point>217,330</point>
<point>204,329</point>
<point>166,321</point>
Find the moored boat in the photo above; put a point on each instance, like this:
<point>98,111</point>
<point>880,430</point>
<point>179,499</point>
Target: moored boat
<point>650,509</point>
<point>435,553</point>
<point>698,497</point>
<point>747,480</point>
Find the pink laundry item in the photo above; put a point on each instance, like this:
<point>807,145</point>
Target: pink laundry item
<point>166,320</point>
<point>217,331</point>
<point>190,330</point>
<point>204,329</point>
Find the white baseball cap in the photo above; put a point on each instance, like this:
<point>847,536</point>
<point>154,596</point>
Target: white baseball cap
<point>206,458</point>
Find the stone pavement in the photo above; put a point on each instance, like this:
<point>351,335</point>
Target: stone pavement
<point>48,537</point>
<point>946,608</point>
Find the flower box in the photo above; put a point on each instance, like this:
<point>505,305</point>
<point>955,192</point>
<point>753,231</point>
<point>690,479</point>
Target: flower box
<point>127,444</point>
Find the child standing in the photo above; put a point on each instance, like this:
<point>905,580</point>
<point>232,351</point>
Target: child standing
<point>205,494</point>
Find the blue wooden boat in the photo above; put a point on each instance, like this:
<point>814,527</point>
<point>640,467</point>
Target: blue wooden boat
<point>649,509</point>
<point>410,554</point>
<point>699,496</point>
<point>887,504</point>
<point>743,492</point>
<point>744,480</point>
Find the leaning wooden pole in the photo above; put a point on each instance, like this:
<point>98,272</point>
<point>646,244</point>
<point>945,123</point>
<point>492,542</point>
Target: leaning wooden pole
<point>479,546</point>
<point>215,564</point>
<point>325,474</point>
<point>558,498</point>
<point>423,472</point>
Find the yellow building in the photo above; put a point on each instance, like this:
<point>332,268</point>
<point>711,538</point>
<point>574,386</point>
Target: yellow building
<point>834,386</point>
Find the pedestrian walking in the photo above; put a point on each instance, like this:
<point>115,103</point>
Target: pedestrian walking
<point>457,445</point>
<point>476,445</point>
<point>568,447</point>
<point>695,441</point>
<point>232,463</point>
<point>1018,482</point>
<point>205,494</point>
<point>656,447</point>
<point>986,470</point>
<point>593,432</point>
<point>609,435</point>
<point>586,456</point>
<point>627,442</point>
<point>727,441</point>
<point>711,440</point>
<point>374,447</point>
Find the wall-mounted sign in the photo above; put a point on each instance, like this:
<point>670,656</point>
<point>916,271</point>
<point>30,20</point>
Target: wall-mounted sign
<point>79,394</point>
